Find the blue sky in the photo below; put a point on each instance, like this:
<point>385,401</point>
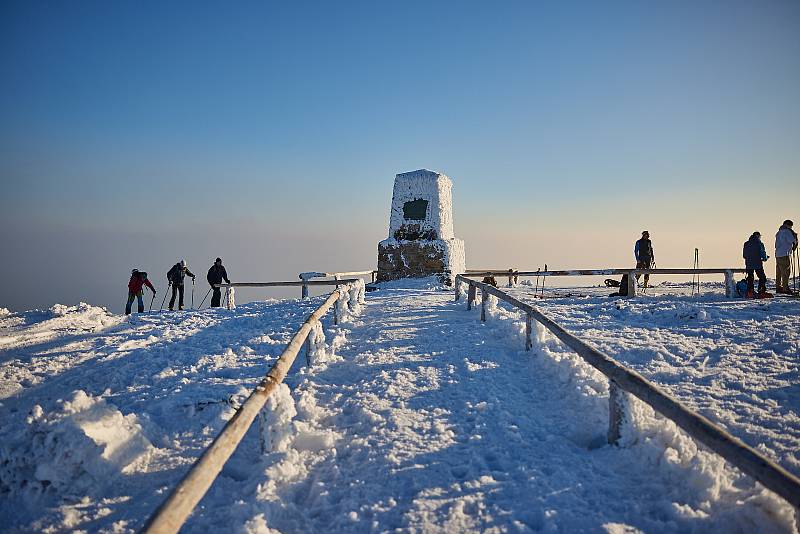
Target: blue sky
<point>138,133</point>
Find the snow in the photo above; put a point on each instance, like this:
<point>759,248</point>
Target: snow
<point>413,416</point>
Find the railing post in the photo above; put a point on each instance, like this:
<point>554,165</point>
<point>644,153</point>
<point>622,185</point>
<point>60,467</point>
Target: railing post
<point>308,348</point>
<point>528,331</point>
<point>483,305</point>
<point>304,291</point>
<point>631,283</point>
<point>617,411</point>
<point>470,297</point>
<point>373,276</point>
<point>730,285</point>
<point>511,278</point>
<point>458,288</point>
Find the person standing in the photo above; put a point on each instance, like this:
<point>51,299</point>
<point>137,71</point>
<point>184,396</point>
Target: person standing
<point>216,274</point>
<point>175,276</point>
<point>135,289</point>
<point>754,257</point>
<point>645,257</point>
<point>785,243</point>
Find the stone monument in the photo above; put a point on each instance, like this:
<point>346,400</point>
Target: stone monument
<point>421,240</point>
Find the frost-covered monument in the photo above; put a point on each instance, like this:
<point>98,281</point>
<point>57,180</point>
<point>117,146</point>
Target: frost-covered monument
<point>421,240</point>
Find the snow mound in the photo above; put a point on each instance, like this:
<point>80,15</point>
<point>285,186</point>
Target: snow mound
<point>83,444</point>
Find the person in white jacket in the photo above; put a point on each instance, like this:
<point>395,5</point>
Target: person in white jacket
<point>785,243</point>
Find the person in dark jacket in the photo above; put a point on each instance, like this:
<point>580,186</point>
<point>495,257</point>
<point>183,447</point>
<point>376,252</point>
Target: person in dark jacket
<point>135,289</point>
<point>216,274</point>
<point>755,255</point>
<point>645,257</point>
<point>175,275</point>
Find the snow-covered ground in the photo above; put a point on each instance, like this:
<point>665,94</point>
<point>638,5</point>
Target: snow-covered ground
<point>415,417</point>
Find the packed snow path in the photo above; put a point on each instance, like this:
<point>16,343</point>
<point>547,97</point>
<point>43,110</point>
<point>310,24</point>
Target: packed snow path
<point>421,419</point>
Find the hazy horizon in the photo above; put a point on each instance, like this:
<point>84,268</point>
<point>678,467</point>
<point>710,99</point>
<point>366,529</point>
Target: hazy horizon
<point>134,135</point>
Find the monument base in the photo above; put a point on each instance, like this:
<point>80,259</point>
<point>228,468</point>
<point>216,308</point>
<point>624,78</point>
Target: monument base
<point>416,259</point>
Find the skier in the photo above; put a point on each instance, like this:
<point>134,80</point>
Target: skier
<point>785,243</point>
<point>645,258</point>
<point>135,289</point>
<point>216,274</point>
<point>754,257</point>
<point>175,276</point>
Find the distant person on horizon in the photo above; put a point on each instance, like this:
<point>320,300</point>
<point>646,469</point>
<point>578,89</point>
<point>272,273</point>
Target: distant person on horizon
<point>175,276</point>
<point>135,289</point>
<point>216,274</point>
<point>785,243</point>
<point>643,250</point>
<point>754,257</point>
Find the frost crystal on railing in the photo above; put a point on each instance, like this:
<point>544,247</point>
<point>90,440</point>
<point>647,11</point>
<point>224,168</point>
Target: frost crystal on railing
<point>317,348</point>
<point>275,421</point>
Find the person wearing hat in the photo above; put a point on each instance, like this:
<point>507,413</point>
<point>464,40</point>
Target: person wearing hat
<point>754,257</point>
<point>645,257</point>
<point>135,289</point>
<point>785,243</point>
<point>175,275</point>
<point>216,274</point>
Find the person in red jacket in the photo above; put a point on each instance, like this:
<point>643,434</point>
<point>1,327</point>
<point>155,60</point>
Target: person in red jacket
<point>135,289</point>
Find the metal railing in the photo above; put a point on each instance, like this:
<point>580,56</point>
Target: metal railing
<point>174,511</point>
<point>512,274</point>
<point>748,460</point>
<point>306,278</point>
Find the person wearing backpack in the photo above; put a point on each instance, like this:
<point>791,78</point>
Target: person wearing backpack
<point>135,289</point>
<point>645,257</point>
<point>216,274</point>
<point>175,275</point>
<point>755,255</point>
<point>785,243</point>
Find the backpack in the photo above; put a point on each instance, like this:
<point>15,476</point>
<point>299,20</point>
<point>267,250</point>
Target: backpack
<point>741,287</point>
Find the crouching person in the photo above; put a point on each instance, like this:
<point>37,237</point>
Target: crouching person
<point>136,289</point>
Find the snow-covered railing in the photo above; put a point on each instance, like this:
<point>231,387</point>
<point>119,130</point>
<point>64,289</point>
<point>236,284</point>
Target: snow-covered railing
<point>730,284</point>
<point>305,283</point>
<point>306,277</point>
<point>621,379</point>
<point>173,512</point>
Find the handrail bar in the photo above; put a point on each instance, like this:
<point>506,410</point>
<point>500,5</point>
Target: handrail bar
<point>172,513</point>
<point>289,284</point>
<point>306,278</point>
<point>750,461</point>
<point>592,272</point>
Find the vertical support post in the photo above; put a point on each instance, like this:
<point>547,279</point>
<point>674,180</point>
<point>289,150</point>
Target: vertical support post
<point>308,349</point>
<point>511,278</point>
<point>730,285</point>
<point>373,276</point>
<point>631,283</point>
<point>458,288</point>
<point>304,290</point>
<point>483,305</point>
<point>470,297</point>
<point>617,412</point>
<point>528,331</point>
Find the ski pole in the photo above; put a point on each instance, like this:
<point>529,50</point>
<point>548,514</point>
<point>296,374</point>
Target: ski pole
<point>151,302</point>
<point>204,299</point>
<point>165,296</point>
<point>192,293</point>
